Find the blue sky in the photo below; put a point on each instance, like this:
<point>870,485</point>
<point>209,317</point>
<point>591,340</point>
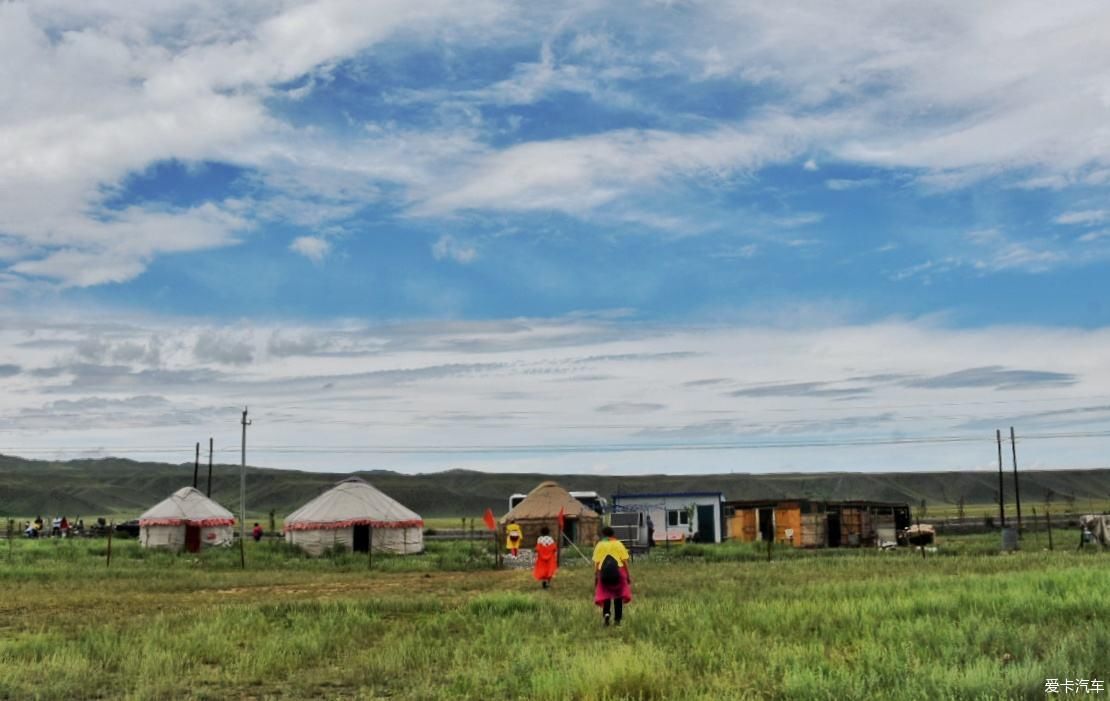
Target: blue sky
<point>263,192</point>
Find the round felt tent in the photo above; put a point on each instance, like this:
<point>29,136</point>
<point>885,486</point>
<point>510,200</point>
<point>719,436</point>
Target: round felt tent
<point>355,516</point>
<point>541,508</point>
<point>186,520</point>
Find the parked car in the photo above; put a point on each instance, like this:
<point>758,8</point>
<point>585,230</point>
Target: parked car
<point>128,528</point>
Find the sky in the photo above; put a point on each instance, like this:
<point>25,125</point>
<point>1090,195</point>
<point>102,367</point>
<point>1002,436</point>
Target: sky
<point>582,237</point>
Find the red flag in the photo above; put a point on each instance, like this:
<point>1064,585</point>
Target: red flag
<point>490,522</point>
<point>562,519</point>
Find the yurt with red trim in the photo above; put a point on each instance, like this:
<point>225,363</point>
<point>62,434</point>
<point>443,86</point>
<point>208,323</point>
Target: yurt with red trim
<point>353,515</point>
<point>187,520</point>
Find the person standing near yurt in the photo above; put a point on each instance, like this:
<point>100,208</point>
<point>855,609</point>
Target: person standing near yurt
<point>547,558</point>
<point>613,586</point>
<point>513,537</point>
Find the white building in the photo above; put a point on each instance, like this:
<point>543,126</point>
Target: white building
<point>690,516</point>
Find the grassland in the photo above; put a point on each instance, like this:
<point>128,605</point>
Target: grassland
<point>707,622</point>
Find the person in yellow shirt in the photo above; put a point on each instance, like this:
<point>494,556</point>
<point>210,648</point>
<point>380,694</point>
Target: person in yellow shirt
<point>612,585</point>
<point>513,537</point>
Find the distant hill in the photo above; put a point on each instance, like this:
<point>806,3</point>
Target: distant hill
<point>118,486</point>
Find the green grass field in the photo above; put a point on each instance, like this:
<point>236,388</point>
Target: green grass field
<point>707,622</point>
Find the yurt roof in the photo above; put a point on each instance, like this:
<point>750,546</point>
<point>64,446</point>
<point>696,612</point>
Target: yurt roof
<point>187,507</point>
<point>352,502</point>
<point>545,501</point>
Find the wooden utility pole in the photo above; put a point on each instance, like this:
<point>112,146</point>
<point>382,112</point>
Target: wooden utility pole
<point>243,494</point>
<point>196,466</point>
<point>209,492</point>
<point>1017,490</point>
<point>1001,494</point>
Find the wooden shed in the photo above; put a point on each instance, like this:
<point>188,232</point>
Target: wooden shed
<point>807,523</point>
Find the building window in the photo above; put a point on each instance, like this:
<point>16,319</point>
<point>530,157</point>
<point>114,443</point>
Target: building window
<point>678,517</point>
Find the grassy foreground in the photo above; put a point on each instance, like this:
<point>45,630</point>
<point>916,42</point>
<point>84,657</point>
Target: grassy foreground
<point>709,622</point>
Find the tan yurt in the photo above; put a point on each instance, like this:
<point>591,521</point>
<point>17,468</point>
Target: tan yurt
<point>352,515</point>
<point>186,520</point>
<point>541,508</point>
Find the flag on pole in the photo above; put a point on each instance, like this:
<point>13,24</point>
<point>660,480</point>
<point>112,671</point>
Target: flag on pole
<point>562,518</point>
<point>491,523</point>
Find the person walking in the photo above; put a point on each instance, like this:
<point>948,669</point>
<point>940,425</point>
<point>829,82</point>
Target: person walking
<point>256,532</point>
<point>547,558</point>
<point>612,584</point>
<point>513,538</point>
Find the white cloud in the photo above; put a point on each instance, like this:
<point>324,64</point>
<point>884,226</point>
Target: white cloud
<point>840,184</point>
<point>579,174</point>
<point>448,247</point>
<point>312,247</point>
<point>564,381</point>
<point>1084,217</point>
<point>97,91</point>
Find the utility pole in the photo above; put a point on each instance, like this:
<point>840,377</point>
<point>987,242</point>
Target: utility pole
<point>209,494</point>
<point>1001,494</point>
<point>1017,490</point>
<point>242,496</point>
<point>196,466</point>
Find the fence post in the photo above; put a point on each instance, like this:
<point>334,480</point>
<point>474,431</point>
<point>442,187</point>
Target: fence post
<point>111,527</point>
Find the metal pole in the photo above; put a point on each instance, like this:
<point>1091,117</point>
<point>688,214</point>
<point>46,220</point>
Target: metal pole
<point>1001,494</point>
<point>1017,489</point>
<point>209,493</point>
<point>196,466</point>
<point>1048,526</point>
<point>243,494</point>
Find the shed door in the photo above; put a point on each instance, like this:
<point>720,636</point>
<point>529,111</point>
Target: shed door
<point>833,529</point>
<point>766,524</point>
<point>707,531</point>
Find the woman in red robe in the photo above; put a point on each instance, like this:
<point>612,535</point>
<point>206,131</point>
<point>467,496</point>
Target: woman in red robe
<point>547,558</point>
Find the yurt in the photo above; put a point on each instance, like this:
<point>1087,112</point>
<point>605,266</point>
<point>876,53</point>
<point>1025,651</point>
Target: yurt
<point>186,520</point>
<point>541,508</point>
<point>352,515</point>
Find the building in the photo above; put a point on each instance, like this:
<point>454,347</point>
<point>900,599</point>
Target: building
<point>541,508</point>
<point>186,520</point>
<point>809,523</point>
<point>676,516</point>
<point>353,515</point>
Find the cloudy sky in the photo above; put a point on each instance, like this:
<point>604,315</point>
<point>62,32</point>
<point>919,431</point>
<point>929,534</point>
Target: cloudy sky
<point>602,236</point>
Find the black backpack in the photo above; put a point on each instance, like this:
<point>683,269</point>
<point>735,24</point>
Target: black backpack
<point>610,571</point>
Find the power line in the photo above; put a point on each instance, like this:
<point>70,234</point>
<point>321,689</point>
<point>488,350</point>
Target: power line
<point>546,448</point>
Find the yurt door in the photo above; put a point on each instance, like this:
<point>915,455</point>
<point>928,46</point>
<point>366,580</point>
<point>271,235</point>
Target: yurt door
<point>192,538</point>
<point>570,529</point>
<point>361,542</point>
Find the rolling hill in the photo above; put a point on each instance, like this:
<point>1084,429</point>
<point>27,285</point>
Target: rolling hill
<point>119,486</point>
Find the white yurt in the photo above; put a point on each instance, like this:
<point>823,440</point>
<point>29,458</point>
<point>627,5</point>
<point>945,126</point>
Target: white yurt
<point>351,515</point>
<point>186,520</point>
